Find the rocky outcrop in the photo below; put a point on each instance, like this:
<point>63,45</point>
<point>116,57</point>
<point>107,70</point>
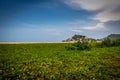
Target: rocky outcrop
<point>76,38</point>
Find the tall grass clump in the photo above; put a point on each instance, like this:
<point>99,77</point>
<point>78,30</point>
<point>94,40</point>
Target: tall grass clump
<point>108,43</point>
<point>79,46</point>
<point>84,45</point>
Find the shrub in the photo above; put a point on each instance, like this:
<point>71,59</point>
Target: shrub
<point>109,43</point>
<point>71,48</point>
<point>79,46</point>
<point>106,43</point>
<point>115,43</point>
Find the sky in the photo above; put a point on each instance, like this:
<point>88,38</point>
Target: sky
<point>57,20</point>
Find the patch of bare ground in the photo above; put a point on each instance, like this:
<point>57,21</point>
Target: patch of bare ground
<point>115,61</point>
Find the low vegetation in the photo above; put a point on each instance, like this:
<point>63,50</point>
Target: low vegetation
<point>79,46</point>
<point>60,61</point>
<point>84,45</point>
<point>109,43</point>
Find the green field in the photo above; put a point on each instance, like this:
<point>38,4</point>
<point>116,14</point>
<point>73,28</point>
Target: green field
<point>51,61</point>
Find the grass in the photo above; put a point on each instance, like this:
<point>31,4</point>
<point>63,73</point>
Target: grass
<point>51,61</point>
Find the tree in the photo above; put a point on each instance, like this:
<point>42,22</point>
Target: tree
<point>77,37</point>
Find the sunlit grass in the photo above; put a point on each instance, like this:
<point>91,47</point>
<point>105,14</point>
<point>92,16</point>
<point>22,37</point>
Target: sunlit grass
<point>52,61</point>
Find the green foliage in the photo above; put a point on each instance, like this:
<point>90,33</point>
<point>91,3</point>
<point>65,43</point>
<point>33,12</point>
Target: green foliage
<point>109,43</point>
<point>79,46</point>
<point>115,43</point>
<point>77,37</point>
<point>71,47</point>
<point>83,45</point>
<point>51,61</point>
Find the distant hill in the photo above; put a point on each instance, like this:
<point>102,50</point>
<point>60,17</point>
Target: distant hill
<point>78,37</point>
<point>113,36</point>
<point>81,38</point>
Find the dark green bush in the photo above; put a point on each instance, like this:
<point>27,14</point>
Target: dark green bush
<point>79,46</point>
<point>108,43</point>
<point>70,48</point>
<point>87,46</point>
<point>115,43</point>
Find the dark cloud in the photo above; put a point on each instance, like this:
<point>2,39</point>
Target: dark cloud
<point>113,26</point>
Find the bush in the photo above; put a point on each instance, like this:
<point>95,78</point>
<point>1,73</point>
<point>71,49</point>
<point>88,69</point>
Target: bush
<point>87,46</point>
<point>71,48</point>
<point>106,43</point>
<point>115,43</point>
<point>109,43</point>
<point>79,46</point>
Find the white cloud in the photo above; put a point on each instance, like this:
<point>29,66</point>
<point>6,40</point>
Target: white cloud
<point>109,10</point>
<point>92,4</point>
<point>76,30</point>
<point>97,27</point>
<point>86,4</point>
<point>107,15</point>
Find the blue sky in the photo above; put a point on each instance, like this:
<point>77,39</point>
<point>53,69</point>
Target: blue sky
<point>56,20</point>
